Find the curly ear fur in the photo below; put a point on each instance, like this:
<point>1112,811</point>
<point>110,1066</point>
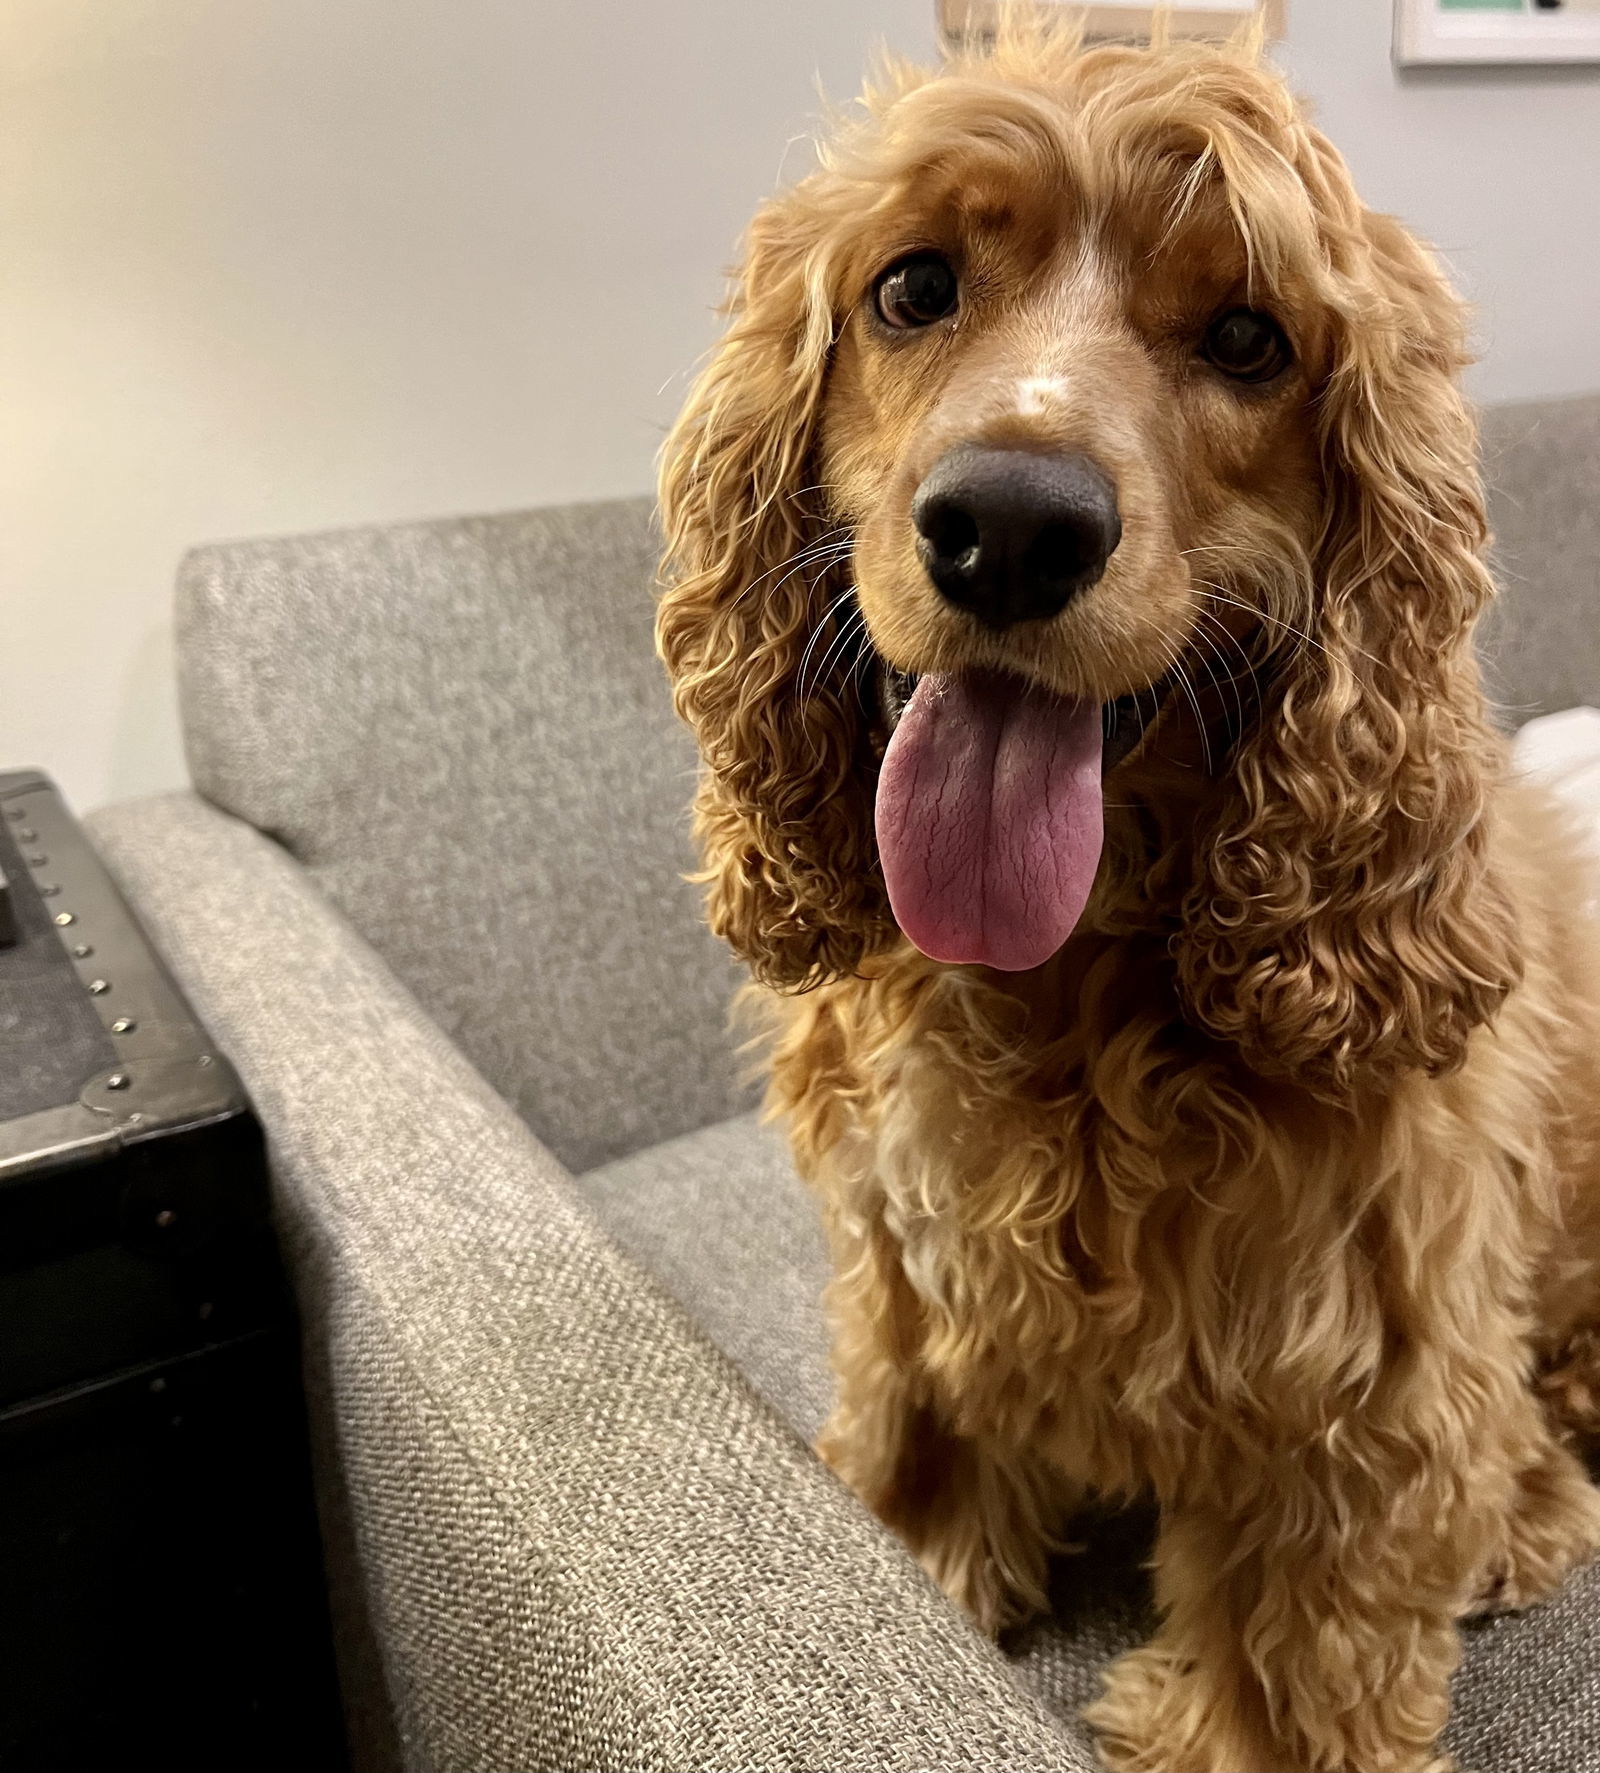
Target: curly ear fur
<point>1344,922</point>
<point>783,814</point>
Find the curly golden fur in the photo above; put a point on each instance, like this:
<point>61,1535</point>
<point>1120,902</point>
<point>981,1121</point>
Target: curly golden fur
<point>1275,1195</point>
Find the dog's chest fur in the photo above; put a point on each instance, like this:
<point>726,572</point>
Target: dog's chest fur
<point>1109,1252</point>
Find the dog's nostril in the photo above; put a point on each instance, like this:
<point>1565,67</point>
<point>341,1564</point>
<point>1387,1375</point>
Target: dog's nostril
<point>953,536</point>
<point>1059,551</point>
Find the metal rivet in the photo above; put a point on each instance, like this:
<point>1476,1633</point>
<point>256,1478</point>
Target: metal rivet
<point>203,1061</point>
<point>124,1025</point>
<point>133,1119</point>
<point>205,1310</point>
<point>158,1385</point>
<point>99,987</point>
<point>18,813</point>
<point>26,836</point>
<point>82,950</point>
<point>166,1217</point>
<point>37,861</point>
<point>118,1080</point>
<point>48,889</point>
<point>65,917</point>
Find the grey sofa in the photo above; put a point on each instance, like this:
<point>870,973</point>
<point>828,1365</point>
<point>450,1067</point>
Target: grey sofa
<point>559,1286</point>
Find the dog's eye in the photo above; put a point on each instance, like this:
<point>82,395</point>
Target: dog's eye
<point>917,291</point>
<point>1247,345</point>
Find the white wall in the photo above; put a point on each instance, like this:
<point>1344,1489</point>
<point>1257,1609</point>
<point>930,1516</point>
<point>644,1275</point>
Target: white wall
<point>273,265</point>
<point>1499,168</point>
<point>269,265</point>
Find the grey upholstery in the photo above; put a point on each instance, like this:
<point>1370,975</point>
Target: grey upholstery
<point>1542,460</point>
<point>459,728</point>
<point>560,1291</point>
<point>722,1221</point>
<point>586,1542</point>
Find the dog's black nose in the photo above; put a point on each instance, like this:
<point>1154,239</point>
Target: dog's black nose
<point>1013,535</point>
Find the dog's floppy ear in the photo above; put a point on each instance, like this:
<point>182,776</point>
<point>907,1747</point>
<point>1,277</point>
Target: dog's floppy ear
<point>1344,924</point>
<point>784,810</point>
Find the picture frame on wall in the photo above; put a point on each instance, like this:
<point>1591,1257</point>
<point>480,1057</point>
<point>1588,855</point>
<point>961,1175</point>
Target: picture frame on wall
<point>1124,18</point>
<point>1440,33</point>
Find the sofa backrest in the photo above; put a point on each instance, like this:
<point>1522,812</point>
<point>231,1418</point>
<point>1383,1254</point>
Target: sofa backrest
<point>1542,640</point>
<point>461,729</point>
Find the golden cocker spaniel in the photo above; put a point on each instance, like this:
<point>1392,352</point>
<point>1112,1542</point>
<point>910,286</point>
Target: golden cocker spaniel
<point>1192,1035</point>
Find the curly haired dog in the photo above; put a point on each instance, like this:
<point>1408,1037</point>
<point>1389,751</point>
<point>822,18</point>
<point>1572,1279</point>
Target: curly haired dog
<point>1193,1037</point>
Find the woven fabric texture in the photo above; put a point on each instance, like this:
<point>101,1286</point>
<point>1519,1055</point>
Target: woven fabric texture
<point>461,729</point>
<point>727,1227</point>
<point>1542,460</point>
<point>585,1541</point>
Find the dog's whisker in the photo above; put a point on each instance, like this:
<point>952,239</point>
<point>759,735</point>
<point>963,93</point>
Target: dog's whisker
<point>1215,648</point>
<point>839,540</point>
<point>821,628</point>
<point>853,624</point>
<point>1231,549</point>
<point>851,652</point>
<point>1221,637</point>
<point>824,560</point>
<point>1211,658</point>
<point>853,629</point>
<point>832,543</point>
<point>1216,593</point>
<point>1181,676</point>
<point>1199,714</point>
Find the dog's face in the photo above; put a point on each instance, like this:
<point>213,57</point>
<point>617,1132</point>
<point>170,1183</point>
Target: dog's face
<point>1061,415</point>
<point>1074,376</point>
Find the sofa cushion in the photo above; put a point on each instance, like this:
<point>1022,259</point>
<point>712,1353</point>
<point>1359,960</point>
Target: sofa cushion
<point>722,1220</point>
<point>462,731</point>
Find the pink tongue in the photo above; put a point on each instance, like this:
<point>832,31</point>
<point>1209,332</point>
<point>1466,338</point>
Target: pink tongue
<point>989,818</point>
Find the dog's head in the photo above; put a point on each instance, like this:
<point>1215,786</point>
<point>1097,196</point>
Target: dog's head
<point>1078,395</point>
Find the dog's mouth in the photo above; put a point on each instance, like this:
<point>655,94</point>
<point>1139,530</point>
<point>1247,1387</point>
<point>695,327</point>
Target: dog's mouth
<point>1124,720</point>
<point>989,810</point>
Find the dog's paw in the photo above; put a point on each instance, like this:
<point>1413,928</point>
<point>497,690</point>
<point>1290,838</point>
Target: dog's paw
<point>1553,1529</point>
<point>1159,1714</point>
<point>1125,1719</point>
<point>972,1578</point>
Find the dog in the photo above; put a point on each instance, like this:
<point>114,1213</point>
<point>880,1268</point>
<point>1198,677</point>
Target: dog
<point>1191,1031</point>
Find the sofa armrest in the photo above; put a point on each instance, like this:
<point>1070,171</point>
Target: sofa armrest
<point>584,1541</point>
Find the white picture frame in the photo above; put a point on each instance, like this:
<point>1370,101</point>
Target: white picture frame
<point>1125,18</point>
<point>1435,33</point>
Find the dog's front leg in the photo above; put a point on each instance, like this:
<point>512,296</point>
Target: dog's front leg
<point>981,1520</point>
<point>1305,1632</point>
<point>981,1517</point>
<point>1310,1594</point>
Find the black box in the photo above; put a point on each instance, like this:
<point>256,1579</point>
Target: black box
<point>161,1591</point>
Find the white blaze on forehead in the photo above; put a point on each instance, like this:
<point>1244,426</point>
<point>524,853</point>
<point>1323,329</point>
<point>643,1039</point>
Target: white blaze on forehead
<point>1036,394</point>
<point>1083,288</point>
